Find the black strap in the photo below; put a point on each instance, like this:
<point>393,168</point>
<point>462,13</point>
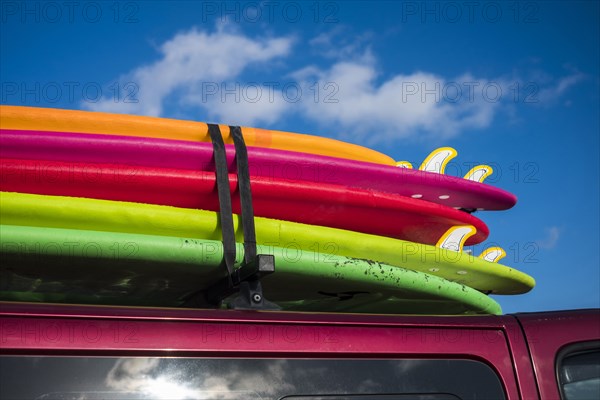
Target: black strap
<point>246,278</point>
<point>247,211</point>
<point>224,192</point>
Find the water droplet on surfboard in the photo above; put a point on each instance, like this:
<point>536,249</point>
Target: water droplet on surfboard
<point>493,254</point>
<point>479,173</point>
<point>454,239</point>
<point>437,160</point>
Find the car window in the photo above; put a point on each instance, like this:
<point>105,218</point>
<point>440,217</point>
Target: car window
<point>142,378</point>
<point>579,375</point>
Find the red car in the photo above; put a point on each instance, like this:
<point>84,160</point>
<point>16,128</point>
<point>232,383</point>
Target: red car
<point>89,352</point>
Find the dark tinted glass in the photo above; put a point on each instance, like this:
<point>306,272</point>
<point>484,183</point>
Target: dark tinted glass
<point>95,378</point>
<point>580,376</point>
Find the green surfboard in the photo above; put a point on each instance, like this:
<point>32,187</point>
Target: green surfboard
<point>112,216</point>
<point>96,267</point>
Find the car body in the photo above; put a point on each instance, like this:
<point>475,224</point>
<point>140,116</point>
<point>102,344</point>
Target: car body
<point>378,356</point>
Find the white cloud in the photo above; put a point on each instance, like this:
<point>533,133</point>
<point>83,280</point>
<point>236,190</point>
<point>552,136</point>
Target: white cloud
<point>188,61</point>
<point>401,106</point>
<point>551,94</point>
<point>551,239</point>
<point>240,103</point>
<point>203,72</point>
<point>125,374</point>
<point>162,379</point>
<point>338,43</point>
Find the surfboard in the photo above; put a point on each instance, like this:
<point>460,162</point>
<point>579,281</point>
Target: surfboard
<point>334,206</point>
<point>92,267</point>
<point>103,215</point>
<point>51,119</point>
<point>263,162</point>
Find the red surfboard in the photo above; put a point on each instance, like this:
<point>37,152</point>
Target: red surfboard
<point>336,206</point>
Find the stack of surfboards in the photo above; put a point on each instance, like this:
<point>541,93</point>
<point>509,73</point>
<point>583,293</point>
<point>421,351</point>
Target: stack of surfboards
<point>103,208</point>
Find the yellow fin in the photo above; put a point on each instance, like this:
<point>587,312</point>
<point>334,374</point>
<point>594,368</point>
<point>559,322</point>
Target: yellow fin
<point>437,160</point>
<point>454,239</point>
<point>493,254</point>
<point>403,164</point>
<point>479,173</point>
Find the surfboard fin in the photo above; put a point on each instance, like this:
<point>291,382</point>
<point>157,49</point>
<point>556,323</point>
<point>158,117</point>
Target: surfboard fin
<point>404,164</point>
<point>454,239</point>
<point>437,160</point>
<point>493,254</point>
<point>479,173</point>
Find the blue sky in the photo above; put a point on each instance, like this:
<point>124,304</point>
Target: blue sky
<point>512,84</point>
